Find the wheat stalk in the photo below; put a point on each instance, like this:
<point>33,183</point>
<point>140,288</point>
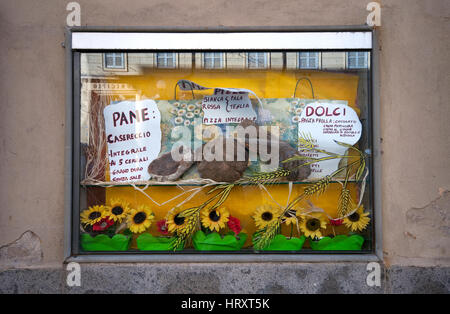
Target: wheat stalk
<point>266,177</point>
<point>193,215</point>
<point>305,141</point>
<point>185,232</point>
<point>318,187</point>
<point>263,237</point>
<point>344,202</point>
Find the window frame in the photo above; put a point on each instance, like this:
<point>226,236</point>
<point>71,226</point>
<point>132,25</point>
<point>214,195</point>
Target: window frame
<point>265,60</point>
<point>215,55</point>
<point>166,58</point>
<point>72,150</point>
<point>317,67</point>
<point>124,58</point>
<point>357,66</point>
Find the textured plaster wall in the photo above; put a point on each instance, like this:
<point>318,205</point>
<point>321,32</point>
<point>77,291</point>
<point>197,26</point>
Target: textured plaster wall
<point>414,87</point>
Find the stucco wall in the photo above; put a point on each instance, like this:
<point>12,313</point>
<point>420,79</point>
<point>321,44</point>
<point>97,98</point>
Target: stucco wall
<point>414,69</point>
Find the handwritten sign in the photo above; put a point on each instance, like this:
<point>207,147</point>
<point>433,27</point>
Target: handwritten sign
<point>325,123</point>
<point>133,135</point>
<point>227,107</point>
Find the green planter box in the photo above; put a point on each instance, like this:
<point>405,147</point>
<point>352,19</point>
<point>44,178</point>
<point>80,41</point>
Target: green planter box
<point>102,242</point>
<point>147,242</point>
<point>282,243</point>
<point>215,242</point>
<point>338,243</point>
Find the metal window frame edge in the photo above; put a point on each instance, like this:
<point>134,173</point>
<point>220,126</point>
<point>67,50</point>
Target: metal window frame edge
<point>69,256</point>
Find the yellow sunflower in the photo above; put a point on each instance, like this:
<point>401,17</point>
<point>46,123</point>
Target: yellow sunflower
<point>265,214</point>
<point>93,214</point>
<point>117,210</point>
<point>176,223</point>
<point>215,219</point>
<point>357,221</point>
<point>311,224</point>
<point>140,219</point>
<point>291,217</point>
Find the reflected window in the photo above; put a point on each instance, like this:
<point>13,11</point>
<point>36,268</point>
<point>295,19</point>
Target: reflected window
<point>257,60</point>
<point>114,60</point>
<point>166,60</point>
<point>357,60</point>
<point>308,60</point>
<point>213,60</point>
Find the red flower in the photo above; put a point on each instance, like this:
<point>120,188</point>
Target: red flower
<point>234,224</point>
<point>336,222</point>
<point>103,224</point>
<point>162,227</point>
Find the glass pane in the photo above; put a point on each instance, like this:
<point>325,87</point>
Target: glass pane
<point>119,59</point>
<point>237,159</point>
<point>109,60</point>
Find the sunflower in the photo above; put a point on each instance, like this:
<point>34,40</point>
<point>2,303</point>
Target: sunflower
<point>117,210</point>
<point>175,222</point>
<point>357,221</point>
<point>93,214</point>
<point>312,223</point>
<point>265,214</point>
<point>290,218</point>
<point>140,219</point>
<point>215,219</point>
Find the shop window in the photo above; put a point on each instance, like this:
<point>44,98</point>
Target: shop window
<point>189,161</point>
<point>114,60</point>
<point>166,60</point>
<point>308,60</point>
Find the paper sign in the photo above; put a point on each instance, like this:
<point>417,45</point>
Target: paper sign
<point>227,107</point>
<point>133,135</point>
<point>325,123</point>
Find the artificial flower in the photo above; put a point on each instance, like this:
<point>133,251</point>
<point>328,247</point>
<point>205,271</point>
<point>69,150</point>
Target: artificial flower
<point>215,219</point>
<point>103,224</point>
<point>290,218</point>
<point>357,221</point>
<point>92,215</point>
<point>265,214</point>
<point>117,210</point>
<point>336,222</point>
<point>140,219</point>
<point>174,221</point>
<point>162,227</point>
<point>234,224</point>
<point>312,223</point>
